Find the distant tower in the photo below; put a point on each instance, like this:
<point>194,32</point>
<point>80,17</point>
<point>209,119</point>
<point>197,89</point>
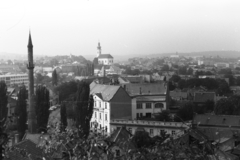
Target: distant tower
<point>32,122</point>
<point>99,49</point>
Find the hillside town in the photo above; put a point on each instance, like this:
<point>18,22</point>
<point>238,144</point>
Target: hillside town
<point>171,107</point>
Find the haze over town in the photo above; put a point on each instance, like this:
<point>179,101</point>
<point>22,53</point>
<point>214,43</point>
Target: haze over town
<point>124,28</point>
<point>119,80</point>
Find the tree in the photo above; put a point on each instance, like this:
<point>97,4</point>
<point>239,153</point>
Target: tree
<point>228,106</point>
<point>185,112</point>
<point>189,71</point>
<point>165,68</point>
<point>21,110</point>
<point>63,116</point>
<point>39,78</point>
<point>84,108</point>
<point>182,70</point>
<point>42,107</point>
<point>54,78</point>
<point>142,139</point>
<point>66,89</point>
<point>3,101</point>
<point>175,78</point>
<point>163,116</point>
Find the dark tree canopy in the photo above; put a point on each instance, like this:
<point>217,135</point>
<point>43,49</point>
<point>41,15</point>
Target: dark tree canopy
<point>84,108</point>
<point>3,101</point>
<point>66,89</point>
<point>164,116</point>
<point>228,106</point>
<point>21,110</point>
<point>54,78</point>
<point>42,107</point>
<point>185,112</point>
<point>63,116</point>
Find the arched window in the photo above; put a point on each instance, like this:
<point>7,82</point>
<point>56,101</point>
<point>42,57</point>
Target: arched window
<point>159,105</point>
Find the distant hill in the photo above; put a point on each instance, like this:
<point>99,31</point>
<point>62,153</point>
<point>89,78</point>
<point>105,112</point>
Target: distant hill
<point>225,54</point>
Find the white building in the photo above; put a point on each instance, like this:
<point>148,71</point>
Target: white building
<point>17,79</point>
<point>110,102</point>
<point>154,128</point>
<point>105,59</point>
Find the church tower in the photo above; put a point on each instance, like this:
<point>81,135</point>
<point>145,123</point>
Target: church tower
<point>32,122</point>
<point>99,49</point>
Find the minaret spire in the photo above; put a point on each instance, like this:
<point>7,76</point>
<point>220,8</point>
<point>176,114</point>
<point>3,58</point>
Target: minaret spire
<point>32,122</point>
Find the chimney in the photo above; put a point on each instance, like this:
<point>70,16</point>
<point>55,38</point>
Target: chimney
<point>16,138</point>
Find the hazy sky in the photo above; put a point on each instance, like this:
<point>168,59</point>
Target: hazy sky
<point>123,27</point>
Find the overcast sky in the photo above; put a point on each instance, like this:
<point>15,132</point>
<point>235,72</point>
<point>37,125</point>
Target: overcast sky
<point>123,27</point>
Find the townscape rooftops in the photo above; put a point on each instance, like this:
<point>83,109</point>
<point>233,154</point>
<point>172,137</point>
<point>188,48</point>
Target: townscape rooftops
<point>29,146</point>
<point>226,120</point>
<point>201,97</point>
<point>105,56</point>
<point>121,137</point>
<point>178,94</point>
<point>146,88</point>
<point>107,91</point>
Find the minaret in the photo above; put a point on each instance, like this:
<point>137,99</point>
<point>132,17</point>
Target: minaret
<point>32,122</point>
<point>99,49</point>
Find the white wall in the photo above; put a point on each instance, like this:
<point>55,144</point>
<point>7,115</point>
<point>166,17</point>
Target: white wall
<point>145,110</point>
<point>105,61</point>
<point>103,108</point>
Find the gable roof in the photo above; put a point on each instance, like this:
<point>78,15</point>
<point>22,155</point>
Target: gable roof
<point>30,148</point>
<point>146,88</point>
<point>121,137</point>
<point>107,91</point>
<point>201,97</point>
<point>105,56</point>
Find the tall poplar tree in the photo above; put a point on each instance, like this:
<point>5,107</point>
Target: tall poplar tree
<point>42,107</point>
<point>3,102</point>
<point>21,110</point>
<point>63,116</point>
<point>54,78</point>
<point>84,109</point>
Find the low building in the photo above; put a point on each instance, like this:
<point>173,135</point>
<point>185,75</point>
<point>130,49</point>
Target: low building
<point>110,102</point>
<point>216,127</point>
<point>148,99</point>
<point>202,97</point>
<point>15,79</point>
<point>154,128</point>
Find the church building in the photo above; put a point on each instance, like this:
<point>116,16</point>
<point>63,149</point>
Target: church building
<point>101,60</point>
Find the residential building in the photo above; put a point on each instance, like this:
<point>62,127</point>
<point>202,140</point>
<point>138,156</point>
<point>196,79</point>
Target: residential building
<point>216,127</point>
<point>202,97</point>
<point>15,79</point>
<point>110,102</point>
<point>154,128</point>
<point>148,99</point>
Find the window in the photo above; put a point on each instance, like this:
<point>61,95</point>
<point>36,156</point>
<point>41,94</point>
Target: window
<point>173,132</point>
<point>139,105</point>
<point>105,117</point>
<point>149,115</point>
<point>141,115</point>
<point>105,105</point>
<point>130,130</point>
<point>137,115</point>
<point>148,105</point>
<point>100,116</point>
<point>95,104</point>
<point>151,132</point>
<point>99,104</point>
<point>95,114</point>
<point>159,105</point>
